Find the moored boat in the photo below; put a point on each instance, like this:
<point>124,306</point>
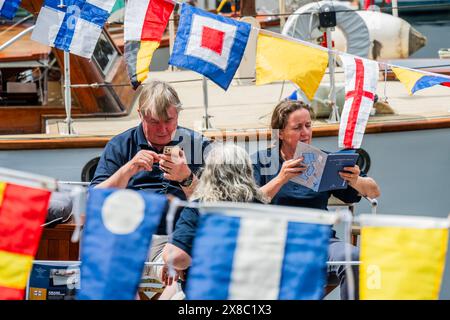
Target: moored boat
<point>398,144</point>
<point>412,6</point>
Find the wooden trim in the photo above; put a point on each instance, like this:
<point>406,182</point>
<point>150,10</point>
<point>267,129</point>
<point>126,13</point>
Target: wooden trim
<point>32,6</point>
<point>333,129</point>
<point>325,131</point>
<point>54,143</point>
<point>384,127</point>
<point>56,244</point>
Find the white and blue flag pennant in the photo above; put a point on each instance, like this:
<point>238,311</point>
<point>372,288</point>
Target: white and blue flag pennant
<point>209,44</point>
<point>74,26</point>
<point>8,8</point>
<point>258,257</point>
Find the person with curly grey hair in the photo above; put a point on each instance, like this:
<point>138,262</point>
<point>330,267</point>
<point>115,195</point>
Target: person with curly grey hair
<point>227,176</point>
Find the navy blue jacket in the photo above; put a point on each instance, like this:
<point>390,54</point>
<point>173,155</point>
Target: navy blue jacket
<point>186,227</point>
<point>266,166</point>
<point>123,147</point>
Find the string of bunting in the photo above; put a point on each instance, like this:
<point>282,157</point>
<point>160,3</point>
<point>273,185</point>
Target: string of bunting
<point>220,42</point>
<point>388,243</point>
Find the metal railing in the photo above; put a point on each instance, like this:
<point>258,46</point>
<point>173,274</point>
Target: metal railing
<point>16,38</point>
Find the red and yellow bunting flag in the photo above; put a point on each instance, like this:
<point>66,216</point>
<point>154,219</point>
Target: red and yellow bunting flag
<point>22,212</point>
<point>145,22</point>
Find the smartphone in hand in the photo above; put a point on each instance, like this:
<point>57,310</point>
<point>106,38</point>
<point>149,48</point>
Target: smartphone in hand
<point>171,151</point>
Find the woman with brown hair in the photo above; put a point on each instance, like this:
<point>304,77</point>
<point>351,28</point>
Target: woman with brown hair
<point>274,167</point>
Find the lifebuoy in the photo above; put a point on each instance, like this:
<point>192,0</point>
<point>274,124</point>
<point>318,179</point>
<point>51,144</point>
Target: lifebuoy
<point>305,26</point>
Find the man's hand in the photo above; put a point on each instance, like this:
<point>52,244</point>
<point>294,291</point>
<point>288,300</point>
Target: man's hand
<point>143,160</point>
<point>168,279</point>
<point>174,166</point>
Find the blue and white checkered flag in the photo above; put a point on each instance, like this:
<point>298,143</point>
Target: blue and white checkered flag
<point>253,251</point>
<point>8,8</point>
<point>72,25</point>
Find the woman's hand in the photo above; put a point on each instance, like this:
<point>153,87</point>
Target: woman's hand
<point>364,185</point>
<point>290,169</point>
<point>351,175</point>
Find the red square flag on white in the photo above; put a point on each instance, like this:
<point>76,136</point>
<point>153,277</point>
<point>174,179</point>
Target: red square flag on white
<point>209,44</point>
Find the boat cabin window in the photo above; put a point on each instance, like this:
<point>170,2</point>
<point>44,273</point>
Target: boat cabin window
<point>105,53</point>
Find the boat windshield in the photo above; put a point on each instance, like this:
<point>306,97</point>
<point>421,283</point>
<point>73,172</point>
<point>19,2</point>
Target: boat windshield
<point>105,54</point>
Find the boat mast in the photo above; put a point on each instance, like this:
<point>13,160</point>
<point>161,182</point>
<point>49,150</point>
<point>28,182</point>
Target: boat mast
<point>206,117</point>
<point>334,115</point>
<point>395,8</point>
<point>248,8</point>
<point>171,36</point>
<point>282,10</point>
<point>67,93</point>
<point>67,88</point>
<point>327,20</point>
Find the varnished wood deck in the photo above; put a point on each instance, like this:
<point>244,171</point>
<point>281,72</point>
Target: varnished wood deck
<point>24,50</point>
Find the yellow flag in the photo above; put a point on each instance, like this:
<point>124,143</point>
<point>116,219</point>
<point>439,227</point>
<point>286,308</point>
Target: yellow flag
<point>279,59</point>
<point>402,257</point>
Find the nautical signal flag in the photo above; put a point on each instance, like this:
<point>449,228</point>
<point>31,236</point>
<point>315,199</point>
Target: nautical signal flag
<point>416,80</point>
<point>116,240</point>
<point>361,78</point>
<point>256,252</point>
<point>402,257</point>
<point>22,213</point>
<point>74,26</point>
<point>280,59</point>
<point>145,22</point>
<point>209,44</point>
<point>8,8</point>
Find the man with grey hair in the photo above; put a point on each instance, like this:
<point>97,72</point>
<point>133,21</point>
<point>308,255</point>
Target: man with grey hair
<point>135,159</point>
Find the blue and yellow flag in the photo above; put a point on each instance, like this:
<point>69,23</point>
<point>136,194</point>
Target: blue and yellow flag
<point>402,257</point>
<point>116,239</point>
<point>280,59</point>
<point>416,80</point>
<point>251,251</point>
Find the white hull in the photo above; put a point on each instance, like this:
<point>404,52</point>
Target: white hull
<point>389,36</point>
<point>369,34</point>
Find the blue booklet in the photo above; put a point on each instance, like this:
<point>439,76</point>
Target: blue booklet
<point>322,173</point>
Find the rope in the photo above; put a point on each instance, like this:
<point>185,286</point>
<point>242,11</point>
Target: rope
<point>384,9</point>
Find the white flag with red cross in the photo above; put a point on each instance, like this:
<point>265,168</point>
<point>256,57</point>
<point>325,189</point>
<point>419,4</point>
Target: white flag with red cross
<point>361,77</point>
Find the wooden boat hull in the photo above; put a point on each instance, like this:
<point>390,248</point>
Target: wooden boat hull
<point>23,111</point>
